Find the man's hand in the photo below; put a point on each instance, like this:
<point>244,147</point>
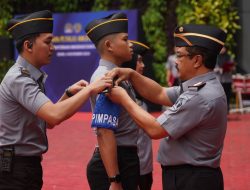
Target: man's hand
<point>118,95</point>
<point>100,84</point>
<point>120,74</point>
<point>73,89</point>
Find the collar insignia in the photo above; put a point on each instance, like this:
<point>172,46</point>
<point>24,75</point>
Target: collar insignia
<point>197,85</point>
<point>25,71</point>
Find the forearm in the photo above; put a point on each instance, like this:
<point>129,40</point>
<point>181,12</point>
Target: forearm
<point>68,92</point>
<point>54,114</point>
<point>70,105</point>
<point>108,150</point>
<point>73,89</point>
<point>168,75</point>
<point>63,97</point>
<point>144,120</point>
<point>149,89</point>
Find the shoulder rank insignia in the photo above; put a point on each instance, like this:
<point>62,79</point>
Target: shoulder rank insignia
<point>25,71</point>
<point>197,86</point>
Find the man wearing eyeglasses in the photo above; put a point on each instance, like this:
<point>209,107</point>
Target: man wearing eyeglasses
<point>193,128</point>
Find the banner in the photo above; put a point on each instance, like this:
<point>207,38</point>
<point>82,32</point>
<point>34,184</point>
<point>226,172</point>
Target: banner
<point>75,56</point>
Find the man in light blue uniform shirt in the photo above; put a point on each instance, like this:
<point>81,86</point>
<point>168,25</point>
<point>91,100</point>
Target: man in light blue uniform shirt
<point>193,128</point>
<point>25,111</point>
<point>115,163</point>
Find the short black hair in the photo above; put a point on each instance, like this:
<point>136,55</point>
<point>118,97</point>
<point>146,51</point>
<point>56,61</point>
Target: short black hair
<point>209,57</point>
<point>31,38</point>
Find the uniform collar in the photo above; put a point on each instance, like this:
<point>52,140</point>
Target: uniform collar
<point>107,64</point>
<point>201,78</point>
<point>34,72</point>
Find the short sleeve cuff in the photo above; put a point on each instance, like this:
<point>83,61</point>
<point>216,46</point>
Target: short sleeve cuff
<point>40,101</point>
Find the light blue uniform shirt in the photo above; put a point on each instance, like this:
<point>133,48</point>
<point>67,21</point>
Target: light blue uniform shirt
<point>127,132</point>
<point>196,123</point>
<point>144,145</point>
<point>20,99</point>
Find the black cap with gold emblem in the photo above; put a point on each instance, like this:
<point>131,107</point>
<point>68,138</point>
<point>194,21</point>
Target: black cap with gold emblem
<point>138,49</point>
<point>206,36</point>
<point>37,22</point>
<point>114,23</point>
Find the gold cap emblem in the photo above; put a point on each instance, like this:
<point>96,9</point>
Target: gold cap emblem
<point>181,29</point>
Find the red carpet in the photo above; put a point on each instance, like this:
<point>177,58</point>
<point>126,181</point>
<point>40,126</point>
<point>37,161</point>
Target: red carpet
<point>71,145</point>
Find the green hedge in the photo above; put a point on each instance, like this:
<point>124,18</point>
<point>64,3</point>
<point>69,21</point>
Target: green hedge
<point>220,13</point>
<point>4,67</point>
<point>155,19</point>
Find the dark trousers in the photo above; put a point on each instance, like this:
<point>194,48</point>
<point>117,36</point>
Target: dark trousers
<point>187,177</point>
<point>129,169</point>
<point>26,175</point>
<point>146,181</point>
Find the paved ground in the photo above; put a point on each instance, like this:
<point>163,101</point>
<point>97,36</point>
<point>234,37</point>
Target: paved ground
<point>71,145</point>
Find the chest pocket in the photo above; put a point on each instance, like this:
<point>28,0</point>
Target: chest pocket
<point>182,100</point>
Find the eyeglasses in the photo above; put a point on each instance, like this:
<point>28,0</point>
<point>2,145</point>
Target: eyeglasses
<point>179,56</point>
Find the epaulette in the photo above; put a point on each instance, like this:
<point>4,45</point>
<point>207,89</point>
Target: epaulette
<point>24,71</point>
<point>197,86</point>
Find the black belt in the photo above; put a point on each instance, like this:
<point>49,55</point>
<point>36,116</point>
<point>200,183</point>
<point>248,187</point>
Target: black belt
<point>26,159</point>
<point>121,148</point>
<point>188,166</point>
<point>20,159</point>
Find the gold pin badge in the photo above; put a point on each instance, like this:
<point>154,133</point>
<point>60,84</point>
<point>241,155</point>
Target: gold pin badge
<point>25,71</point>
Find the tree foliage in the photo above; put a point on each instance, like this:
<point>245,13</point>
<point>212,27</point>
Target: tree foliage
<point>68,6</point>
<point>100,5</point>
<point>154,26</point>
<point>220,13</point>
<point>159,18</point>
<point>127,4</point>
<point>4,67</point>
<point>5,14</point>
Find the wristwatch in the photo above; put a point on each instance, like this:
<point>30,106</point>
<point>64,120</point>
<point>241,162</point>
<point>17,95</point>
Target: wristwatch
<point>68,93</point>
<point>116,178</point>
